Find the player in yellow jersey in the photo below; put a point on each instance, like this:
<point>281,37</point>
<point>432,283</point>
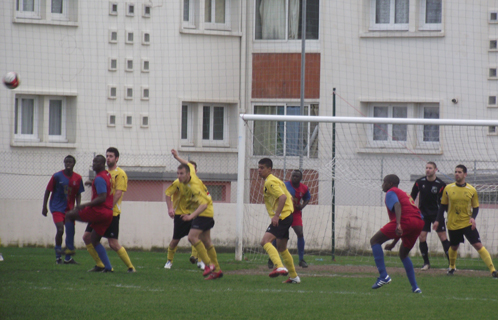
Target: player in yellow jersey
<point>119,187</point>
<point>461,202</point>
<point>278,202</point>
<point>199,200</point>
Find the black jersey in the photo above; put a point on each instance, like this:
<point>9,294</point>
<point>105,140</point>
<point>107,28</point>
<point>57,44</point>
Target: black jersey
<point>430,193</point>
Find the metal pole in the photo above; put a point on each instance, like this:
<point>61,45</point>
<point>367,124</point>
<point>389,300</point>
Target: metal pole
<point>239,219</point>
<point>333,177</point>
<point>303,69</point>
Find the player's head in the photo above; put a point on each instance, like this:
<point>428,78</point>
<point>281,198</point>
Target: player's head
<point>296,176</point>
<point>98,163</point>
<point>183,173</point>
<point>194,163</point>
<point>460,173</point>
<point>69,162</point>
<point>265,166</point>
<point>391,180</point>
<point>112,156</point>
<point>430,169</point>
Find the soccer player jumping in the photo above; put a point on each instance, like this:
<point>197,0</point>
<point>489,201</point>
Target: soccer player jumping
<point>406,223</point>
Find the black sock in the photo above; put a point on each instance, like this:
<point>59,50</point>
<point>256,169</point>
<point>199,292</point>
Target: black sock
<point>424,250</point>
<point>446,247</point>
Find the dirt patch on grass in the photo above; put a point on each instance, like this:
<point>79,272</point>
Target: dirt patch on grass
<point>357,271</point>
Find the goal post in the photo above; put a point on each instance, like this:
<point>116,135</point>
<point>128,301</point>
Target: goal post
<point>347,206</point>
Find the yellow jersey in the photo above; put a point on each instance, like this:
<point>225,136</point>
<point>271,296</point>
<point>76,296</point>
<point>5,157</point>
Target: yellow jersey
<point>180,204</point>
<point>119,182</point>
<point>460,201</point>
<point>274,188</point>
<point>196,194</point>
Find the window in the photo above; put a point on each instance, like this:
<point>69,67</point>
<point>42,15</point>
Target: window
<point>40,118</point>
<point>129,37</point>
<point>130,9</point>
<point>113,64</point>
<point>112,90</point>
<point>113,36</point>
<point>145,93</point>
<point>145,38</point>
<point>144,120</point>
<point>57,12</point>
<point>431,12</point>
<point>146,10</point>
<point>491,101</point>
<point>211,16</point>
<point>278,138</point>
<point>113,8</point>
<point>128,120</point>
<point>401,135</point>
<point>207,125</point>
<point>128,92</point>
<point>111,119</point>
<point>129,64</point>
<point>145,65</point>
<point>281,20</point>
<point>389,14</point>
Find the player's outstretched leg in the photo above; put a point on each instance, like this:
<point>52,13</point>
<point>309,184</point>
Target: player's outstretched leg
<point>384,278</point>
<point>289,263</point>
<point>483,252</point>
<point>217,273</point>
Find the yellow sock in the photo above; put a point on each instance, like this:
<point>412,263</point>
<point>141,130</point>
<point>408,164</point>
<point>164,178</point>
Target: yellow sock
<point>171,253</point>
<point>289,263</point>
<point>214,258</point>
<point>273,253</point>
<point>202,252</point>
<point>453,256</point>
<point>124,256</point>
<point>95,255</point>
<point>194,253</point>
<point>487,259</point>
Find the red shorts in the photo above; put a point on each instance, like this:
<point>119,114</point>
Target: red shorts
<point>298,219</point>
<point>411,230</point>
<point>99,220</point>
<point>59,217</point>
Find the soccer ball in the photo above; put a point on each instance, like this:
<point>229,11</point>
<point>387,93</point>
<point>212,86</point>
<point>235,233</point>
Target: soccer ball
<point>11,80</point>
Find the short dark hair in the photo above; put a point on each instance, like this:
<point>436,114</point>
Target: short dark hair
<point>392,178</point>
<point>101,158</point>
<point>70,156</point>
<point>266,162</point>
<point>194,163</point>
<point>113,150</point>
<point>184,166</point>
<point>297,170</point>
<point>464,168</point>
<point>433,163</point>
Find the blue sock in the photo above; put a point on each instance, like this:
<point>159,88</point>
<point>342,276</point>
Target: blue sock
<point>103,256</point>
<point>410,272</point>
<point>378,254</point>
<point>70,234</point>
<point>58,249</point>
<point>300,248</point>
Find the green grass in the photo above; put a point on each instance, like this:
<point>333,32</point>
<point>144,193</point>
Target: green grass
<point>33,287</point>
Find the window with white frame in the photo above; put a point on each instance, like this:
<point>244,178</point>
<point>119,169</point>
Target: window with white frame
<point>431,12</point>
<point>278,138</point>
<point>59,12</point>
<point>206,124</point>
<point>211,16</point>
<point>217,14</point>
<point>394,15</point>
<point>402,135</point>
<point>282,20</point>
<point>40,118</point>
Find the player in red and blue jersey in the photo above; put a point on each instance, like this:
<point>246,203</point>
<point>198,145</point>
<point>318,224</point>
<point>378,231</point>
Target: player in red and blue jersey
<point>405,223</point>
<point>66,187</point>
<point>98,211</point>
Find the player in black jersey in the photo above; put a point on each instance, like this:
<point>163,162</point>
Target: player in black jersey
<point>429,190</point>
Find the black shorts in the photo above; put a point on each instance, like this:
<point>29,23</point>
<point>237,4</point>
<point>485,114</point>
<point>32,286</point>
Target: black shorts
<point>456,236</point>
<point>202,223</point>
<point>181,228</point>
<point>112,232</point>
<point>282,230</point>
<point>429,220</point>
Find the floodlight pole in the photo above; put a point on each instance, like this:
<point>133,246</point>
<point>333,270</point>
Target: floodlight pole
<point>303,69</point>
<point>333,177</point>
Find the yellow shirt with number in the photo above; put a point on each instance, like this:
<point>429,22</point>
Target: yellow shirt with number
<point>274,188</point>
<point>180,204</point>
<point>119,182</point>
<point>460,201</point>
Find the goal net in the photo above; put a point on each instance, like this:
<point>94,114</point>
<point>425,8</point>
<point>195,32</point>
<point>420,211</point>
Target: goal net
<point>344,160</point>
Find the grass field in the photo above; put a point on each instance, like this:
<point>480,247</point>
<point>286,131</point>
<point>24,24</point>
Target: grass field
<point>33,287</point>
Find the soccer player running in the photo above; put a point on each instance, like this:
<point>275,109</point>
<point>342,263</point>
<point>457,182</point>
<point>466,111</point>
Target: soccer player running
<point>429,190</point>
<point>178,206</point>
<point>201,203</point>
<point>298,191</point>
<point>98,211</point>
<point>405,223</point>
<point>119,187</point>
<point>66,187</point>
<point>278,202</point>
<point>461,201</point>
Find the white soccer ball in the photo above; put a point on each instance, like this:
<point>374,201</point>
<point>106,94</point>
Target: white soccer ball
<point>11,80</point>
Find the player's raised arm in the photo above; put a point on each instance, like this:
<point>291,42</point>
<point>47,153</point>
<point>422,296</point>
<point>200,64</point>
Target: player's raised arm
<point>177,157</point>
